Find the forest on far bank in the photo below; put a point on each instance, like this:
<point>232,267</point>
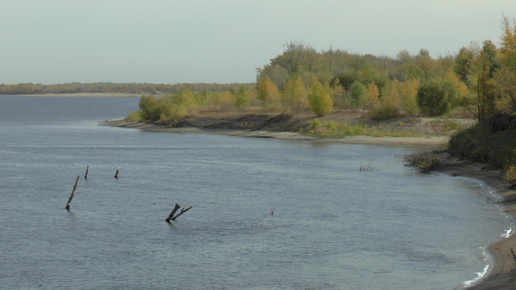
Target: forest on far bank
<point>107,87</point>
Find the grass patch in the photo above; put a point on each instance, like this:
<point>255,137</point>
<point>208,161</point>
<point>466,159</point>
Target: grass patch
<point>340,130</point>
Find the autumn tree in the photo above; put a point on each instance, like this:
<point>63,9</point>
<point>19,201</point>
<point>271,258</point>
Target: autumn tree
<point>504,88</point>
<point>408,93</point>
<point>482,68</point>
<point>225,99</point>
<point>462,89</point>
<point>372,95</point>
<point>339,94</point>
<point>294,96</point>
<point>319,99</point>
<point>389,103</point>
<point>267,91</point>
<point>508,46</point>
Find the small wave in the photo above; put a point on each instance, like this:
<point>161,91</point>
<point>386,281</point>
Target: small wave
<point>480,276</point>
<point>507,233</point>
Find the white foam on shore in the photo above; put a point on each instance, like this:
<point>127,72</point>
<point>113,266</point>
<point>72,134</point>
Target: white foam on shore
<point>507,233</point>
<point>497,200</point>
<point>483,274</point>
<point>480,276</point>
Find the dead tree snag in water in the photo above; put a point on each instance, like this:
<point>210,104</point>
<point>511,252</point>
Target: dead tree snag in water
<point>86,174</point>
<point>183,210</point>
<point>73,193</point>
<point>116,174</point>
<point>176,207</point>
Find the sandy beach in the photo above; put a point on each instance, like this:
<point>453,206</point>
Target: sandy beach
<point>501,275</point>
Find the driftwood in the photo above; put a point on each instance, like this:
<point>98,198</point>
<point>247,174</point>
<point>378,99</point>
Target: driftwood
<point>116,174</point>
<point>86,174</point>
<point>176,207</point>
<point>73,193</point>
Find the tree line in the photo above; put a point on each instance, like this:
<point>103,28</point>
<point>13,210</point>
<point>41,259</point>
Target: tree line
<point>480,77</point>
<point>107,87</point>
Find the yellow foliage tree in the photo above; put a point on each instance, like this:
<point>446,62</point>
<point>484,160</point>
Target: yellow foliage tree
<point>508,48</point>
<point>464,93</point>
<point>504,87</point>
<point>267,91</point>
<point>295,95</point>
<point>338,94</point>
<point>393,98</point>
<point>225,99</point>
<point>372,95</point>
<point>408,93</point>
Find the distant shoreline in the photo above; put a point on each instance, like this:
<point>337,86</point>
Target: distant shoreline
<point>83,95</point>
<point>501,272</point>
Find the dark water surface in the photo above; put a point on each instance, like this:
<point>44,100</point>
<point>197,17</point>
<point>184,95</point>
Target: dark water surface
<point>334,226</point>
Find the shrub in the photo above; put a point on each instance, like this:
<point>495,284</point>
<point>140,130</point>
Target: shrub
<point>331,126</point>
<point>134,117</point>
<point>426,161</point>
<point>172,114</point>
<point>510,175</point>
<point>316,123</point>
<point>436,96</point>
<point>384,112</point>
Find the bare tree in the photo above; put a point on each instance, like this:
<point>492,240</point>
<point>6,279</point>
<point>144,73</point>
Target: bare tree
<point>293,53</point>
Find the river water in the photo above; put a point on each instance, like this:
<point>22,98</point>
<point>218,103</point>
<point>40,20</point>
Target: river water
<point>345,216</point>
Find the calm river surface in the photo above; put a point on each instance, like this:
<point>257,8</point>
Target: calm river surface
<point>334,226</point>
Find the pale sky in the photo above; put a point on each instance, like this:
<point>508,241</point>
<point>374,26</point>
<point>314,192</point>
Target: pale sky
<point>221,41</point>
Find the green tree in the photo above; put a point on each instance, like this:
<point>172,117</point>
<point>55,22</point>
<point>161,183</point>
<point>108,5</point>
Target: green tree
<point>242,98</point>
<point>319,99</point>
<point>147,107</point>
<point>462,63</point>
<point>358,91</point>
<point>504,86</point>
<point>482,68</point>
<point>346,79</point>
<point>436,96</point>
